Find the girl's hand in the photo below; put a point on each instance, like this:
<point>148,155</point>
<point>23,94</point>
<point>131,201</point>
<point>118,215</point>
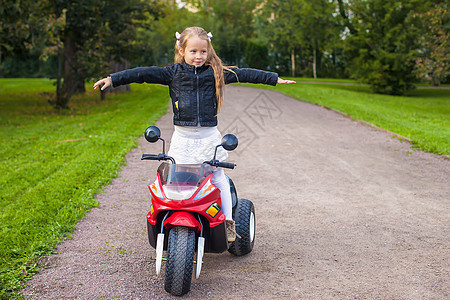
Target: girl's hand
<point>105,81</point>
<point>283,81</point>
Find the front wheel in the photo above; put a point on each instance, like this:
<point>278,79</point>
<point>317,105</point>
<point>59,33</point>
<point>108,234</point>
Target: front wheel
<point>244,216</point>
<point>180,259</point>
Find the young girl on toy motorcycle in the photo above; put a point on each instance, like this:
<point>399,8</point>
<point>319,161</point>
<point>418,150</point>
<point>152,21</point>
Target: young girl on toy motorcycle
<point>196,85</point>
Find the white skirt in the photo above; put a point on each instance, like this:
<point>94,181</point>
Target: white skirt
<point>195,145</point>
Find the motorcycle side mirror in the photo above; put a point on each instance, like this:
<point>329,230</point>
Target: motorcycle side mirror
<point>152,134</point>
<point>229,142</point>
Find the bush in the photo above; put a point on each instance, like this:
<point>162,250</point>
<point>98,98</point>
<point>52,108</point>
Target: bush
<point>256,55</point>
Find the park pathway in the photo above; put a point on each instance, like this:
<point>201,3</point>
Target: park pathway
<point>344,211</point>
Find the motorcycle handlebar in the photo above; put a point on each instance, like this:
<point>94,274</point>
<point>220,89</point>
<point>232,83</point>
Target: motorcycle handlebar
<point>216,163</point>
<point>226,165</point>
<point>150,157</point>
<point>165,157</point>
<point>157,157</point>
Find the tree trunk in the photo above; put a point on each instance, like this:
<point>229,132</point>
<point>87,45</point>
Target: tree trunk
<point>436,81</point>
<point>293,62</point>
<point>314,62</point>
<point>73,83</point>
<point>344,15</point>
<point>103,94</point>
<point>117,67</point>
<point>59,75</point>
<point>79,86</point>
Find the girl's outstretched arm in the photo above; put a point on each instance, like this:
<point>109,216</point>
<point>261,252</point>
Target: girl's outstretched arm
<point>105,81</point>
<point>283,81</point>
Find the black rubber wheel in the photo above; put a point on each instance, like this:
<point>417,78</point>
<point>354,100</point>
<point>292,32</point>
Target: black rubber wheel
<point>244,216</point>
<point>180,259</point>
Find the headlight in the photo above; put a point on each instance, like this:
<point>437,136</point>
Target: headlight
<point>179,192</point>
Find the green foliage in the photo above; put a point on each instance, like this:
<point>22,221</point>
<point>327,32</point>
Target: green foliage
<point>385,42</point>
<point>288,25</point>
<point>87,37</point>
<point>377,42</point>
<point>423,116</point>
<point>278,23</point>
<point>162,34</point>
<point>20,42</point>
<point>53,164</point>
<point>27,67</point>
<point>256,55</point>
<point>433,64</point>
<point>19,23</point>
<point>230,23</point>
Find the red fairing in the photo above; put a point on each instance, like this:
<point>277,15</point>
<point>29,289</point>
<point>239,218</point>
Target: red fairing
<point>182,218</point>
<point>206,194</point>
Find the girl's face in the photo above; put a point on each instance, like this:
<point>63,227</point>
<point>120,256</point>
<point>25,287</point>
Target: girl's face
<point>196,51</point>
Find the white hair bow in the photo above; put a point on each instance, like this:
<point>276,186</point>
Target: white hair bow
<point>178,36</point>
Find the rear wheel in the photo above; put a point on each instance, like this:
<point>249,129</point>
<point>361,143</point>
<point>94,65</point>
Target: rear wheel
<point>244,216</point>
<point>180,259</point>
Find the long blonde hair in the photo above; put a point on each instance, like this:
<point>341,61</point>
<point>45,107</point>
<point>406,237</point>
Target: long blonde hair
<point>212,60</point>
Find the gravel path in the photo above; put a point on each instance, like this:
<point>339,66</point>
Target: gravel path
<point>343,211</point>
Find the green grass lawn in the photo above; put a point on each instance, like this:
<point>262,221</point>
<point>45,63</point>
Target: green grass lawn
<point>324,80</point>
<point>423,116</point>
<point>53,163</point>
<point>350,81</point>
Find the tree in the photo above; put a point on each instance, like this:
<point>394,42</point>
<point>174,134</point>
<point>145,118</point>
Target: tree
<point>433,62</point>
<point>230,22</point>
<point>96,34</point>
<point>279,24</point>
<point>299,27</point>
<point>86,36</point>
<point>256,55</point>
<point>318,26</point>
<point>156,37</point>
<point>384,39</point>
<point>20,25</point>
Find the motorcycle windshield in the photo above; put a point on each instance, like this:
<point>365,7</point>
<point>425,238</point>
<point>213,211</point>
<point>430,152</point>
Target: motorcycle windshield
<point>180,181</point>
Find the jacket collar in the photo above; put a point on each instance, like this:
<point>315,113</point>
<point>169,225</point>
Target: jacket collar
<point>192,68</point>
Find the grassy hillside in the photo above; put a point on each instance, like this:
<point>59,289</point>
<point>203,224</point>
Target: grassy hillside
<point>54,162</point>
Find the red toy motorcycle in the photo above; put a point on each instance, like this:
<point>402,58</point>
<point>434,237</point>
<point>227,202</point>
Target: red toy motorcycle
<point>187,208</point>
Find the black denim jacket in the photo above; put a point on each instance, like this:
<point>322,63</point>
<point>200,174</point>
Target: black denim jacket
<point>192,89</point>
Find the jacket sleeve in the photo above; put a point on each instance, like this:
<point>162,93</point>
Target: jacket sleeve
<point>251,76</point>
<point>143,74</point>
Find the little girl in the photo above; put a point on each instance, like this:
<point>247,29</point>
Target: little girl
<point>196,85</point>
